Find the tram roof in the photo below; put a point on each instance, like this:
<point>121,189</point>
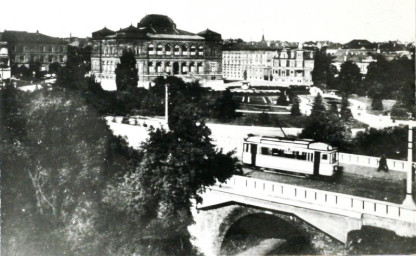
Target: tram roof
<point>301,143</point>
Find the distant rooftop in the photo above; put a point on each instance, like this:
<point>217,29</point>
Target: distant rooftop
<point>155,26</point>
<point>28,37</point>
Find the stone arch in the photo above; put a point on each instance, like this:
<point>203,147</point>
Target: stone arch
<point>151,67</point>
<point>184,68</point>
<point>192,67</point>
<point>200,67</point>
<point>168,67</point>
<point>235,213</point>
<point>158,67</point>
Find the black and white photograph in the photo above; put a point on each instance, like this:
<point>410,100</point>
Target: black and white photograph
<point>207,128</point>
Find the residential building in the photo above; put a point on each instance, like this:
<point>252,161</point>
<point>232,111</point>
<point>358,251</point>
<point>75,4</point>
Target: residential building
<point>361,59</point>
<point>160,48</point>
<point>279,66</point>
<point>25,47</point>
<point>5,72</point>
<point>248,62</point>
<point>293,67</point>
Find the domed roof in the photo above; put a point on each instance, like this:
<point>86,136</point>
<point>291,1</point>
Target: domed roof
<point>158,24</point>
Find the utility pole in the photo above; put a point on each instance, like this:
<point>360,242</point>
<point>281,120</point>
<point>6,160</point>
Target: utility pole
<point>408,201</point>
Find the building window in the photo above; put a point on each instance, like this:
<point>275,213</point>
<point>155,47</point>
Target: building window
<point>159,49</point>
<point>201,50</point>
<point>151,49</point>
<point>193,50</point>
<point>168,49</point>
<point>184,49</point>
<point>176,50</point>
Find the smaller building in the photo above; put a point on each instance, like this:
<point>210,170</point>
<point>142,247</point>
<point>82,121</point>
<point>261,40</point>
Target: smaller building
<point>361,58</point>
<point>25,48</point>
<point>279,66</point>
<point>5,72</point>
<point>293,67</point>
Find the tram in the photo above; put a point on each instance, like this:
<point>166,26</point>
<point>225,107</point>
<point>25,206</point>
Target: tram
<point>303,156</point>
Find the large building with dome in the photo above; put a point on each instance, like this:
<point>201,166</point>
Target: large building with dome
<point>160,49</point>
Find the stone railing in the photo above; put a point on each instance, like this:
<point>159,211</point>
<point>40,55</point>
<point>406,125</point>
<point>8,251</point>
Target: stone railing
<point>314,199</point>
<point>371,161</point>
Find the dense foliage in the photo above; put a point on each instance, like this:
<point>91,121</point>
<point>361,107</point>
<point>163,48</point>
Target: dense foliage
<point>58,158</point>
<point>323,74</point>
<point>126,72</point>
<point>295,109</point>
<point>326,126</point>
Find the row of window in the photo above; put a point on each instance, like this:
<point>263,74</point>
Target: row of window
<point>40,58</point>
<point>163,50</point>
<point>41,48</point>
<point>282,55</point>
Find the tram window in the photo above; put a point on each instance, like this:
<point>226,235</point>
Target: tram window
<point>324,156</point>
<point>302,156</point>
<point>334,157</point>
<point>275,152</point>
<point>265,151</point>
<point>246,147</point>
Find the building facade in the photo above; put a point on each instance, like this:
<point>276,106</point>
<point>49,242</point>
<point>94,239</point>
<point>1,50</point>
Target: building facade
<point>247,64</point>
<point>5,72</point>
<point>25,48</point>
<point>160,49</point>
<point>276,65</point>
<point>293,67</point>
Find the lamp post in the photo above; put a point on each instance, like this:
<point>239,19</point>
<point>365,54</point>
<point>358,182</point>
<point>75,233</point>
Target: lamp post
<point>408,201</point>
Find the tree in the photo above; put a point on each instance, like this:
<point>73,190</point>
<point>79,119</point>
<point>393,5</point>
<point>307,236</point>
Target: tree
<point>55,172</point>
<point>322,73</point>
<point>225,106</point>
<point>176,166</point>
<point>345,110</point>
<point>377,103</point>
<point>34,68</point>
<point>72,76</point>
<point>333,110</point>
<point>318,108</point>
<point>350,78</point>
<point>281,100</point>
<point>54,68</point>
<point>323,127</point>
<point>295,110</point>
<point>126,72</point>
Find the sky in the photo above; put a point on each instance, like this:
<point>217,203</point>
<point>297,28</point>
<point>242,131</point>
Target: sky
<point>286,20</point>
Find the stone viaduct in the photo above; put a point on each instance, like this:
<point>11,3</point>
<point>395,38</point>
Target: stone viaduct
<point>334,214</point>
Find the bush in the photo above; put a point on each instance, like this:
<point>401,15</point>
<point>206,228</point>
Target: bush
<point>126,120</point>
